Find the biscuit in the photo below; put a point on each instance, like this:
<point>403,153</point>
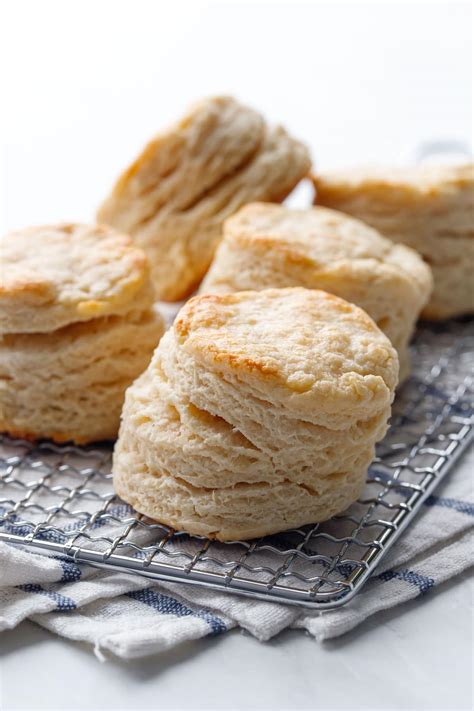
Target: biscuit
<point>174,198</point>
<point>267,246</point>
<point>55,275</point>
<point>429,208</point>
<point>76,328</point>
<point>70,385</point>
<point>258,412</point>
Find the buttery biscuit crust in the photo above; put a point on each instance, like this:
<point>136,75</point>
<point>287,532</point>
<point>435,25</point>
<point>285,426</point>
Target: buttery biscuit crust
<point>56,275</point>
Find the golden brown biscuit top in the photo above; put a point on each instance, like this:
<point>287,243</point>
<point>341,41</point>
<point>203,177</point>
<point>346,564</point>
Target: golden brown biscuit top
<point>305,342</point>
<point>420,182</point>
<point>54,275</point>
<point>319,235</point>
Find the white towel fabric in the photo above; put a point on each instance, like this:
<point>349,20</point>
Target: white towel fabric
<point>132,616</point>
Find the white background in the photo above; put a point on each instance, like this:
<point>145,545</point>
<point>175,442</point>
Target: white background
<point>84,85</point>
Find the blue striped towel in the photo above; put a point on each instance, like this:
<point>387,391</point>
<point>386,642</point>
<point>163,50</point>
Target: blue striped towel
<point>130,616</point>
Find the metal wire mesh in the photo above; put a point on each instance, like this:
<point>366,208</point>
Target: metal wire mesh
<point>60,499</point>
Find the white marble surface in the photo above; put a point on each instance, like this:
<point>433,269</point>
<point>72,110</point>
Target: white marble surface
<point>87,84</point>
<point>418,659</point>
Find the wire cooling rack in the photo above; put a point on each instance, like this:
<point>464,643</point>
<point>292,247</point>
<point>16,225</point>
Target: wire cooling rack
<point>59,499</point>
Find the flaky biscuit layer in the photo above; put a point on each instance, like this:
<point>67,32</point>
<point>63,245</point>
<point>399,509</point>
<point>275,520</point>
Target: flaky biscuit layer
<point>70,385</point>
<point>174,198</point>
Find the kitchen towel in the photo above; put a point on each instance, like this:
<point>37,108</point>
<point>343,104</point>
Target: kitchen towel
<point>131,616</point>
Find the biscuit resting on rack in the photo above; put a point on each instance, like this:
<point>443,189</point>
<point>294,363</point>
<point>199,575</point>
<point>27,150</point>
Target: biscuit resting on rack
<point>77,326</point>
<point>429,208</point>
<point>259,412</point>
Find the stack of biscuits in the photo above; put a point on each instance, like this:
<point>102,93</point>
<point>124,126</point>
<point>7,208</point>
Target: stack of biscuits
<point>260,408</point>
<point>259,412</point>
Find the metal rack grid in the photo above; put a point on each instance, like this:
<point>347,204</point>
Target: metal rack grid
<point>59,499</point>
